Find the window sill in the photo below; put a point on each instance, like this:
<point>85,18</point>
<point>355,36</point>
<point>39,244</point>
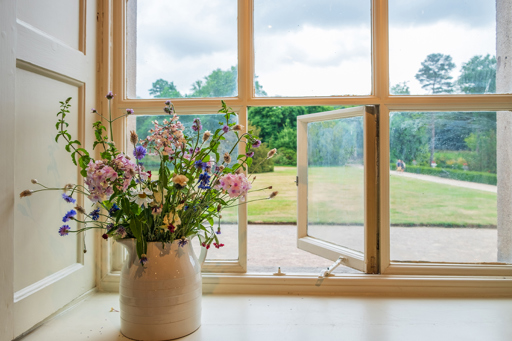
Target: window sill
<point>347,284</point>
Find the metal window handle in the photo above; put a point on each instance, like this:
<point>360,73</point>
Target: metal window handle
<point>327,272</point>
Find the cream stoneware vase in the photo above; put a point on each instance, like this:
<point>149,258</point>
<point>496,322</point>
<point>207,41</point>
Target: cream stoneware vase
<point>162,300</point>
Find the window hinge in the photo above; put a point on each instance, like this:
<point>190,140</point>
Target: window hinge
<point>327,272</point>
<point>297,180</point>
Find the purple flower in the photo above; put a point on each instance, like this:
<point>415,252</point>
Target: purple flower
<point>110,227</point>
<point>64,230</point>
<point>94,111</point>
<point>168,102</point>
<point>143,259</point>
<point>167,110</point>
<point>225,129</point>
<point>250,154</point>
<point>182,242</point>
<point>68,216</point>
<point>256,144</point>
<point>204,180</point>
<point>110,95</point>
<point>197,125</point>
<point>113,210</point>
<point>95,215</point>
<point>139,152</point>
<point>67,198</point>
<point>121,232</point>
<point>129,111</point>
<point>218,230</point>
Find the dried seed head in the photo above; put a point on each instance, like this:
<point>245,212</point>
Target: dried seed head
<point>133,137</point>
<point>273,194</point>
<point>238,170</point>
<point>67,187</point>
<point>271,153</point>
<point>80,209</point>
<point>227,158</point>
<point>206,135</point>
<point>26,193</point>
<point>34,181</point>
<point>237,127</point>
<point>221,169</point>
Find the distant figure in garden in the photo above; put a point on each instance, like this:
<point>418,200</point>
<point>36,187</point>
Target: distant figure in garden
<point>399,166</point>
<point>403,165</point>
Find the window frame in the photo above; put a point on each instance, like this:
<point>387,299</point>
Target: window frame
<point>114,60</point>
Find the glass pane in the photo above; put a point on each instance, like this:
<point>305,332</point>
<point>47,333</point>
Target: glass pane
<point>312,48</point>
<point>443,186</point>
<point>142,124</point>
<point>440,47</point>
<point>183,48</point>
<point>336,182</point>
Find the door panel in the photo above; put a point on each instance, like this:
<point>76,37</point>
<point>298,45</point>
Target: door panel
<point>49,270</point>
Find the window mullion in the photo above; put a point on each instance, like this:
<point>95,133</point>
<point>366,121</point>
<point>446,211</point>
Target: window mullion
<point>380,49</point>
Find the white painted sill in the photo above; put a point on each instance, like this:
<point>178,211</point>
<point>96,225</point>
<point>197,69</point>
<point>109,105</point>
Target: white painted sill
<point>346,284</point>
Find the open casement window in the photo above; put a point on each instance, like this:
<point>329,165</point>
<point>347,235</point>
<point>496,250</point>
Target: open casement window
<point>337,186</point>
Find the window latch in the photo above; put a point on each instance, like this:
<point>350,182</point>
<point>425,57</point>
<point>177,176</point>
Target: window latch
<point>327,272</point>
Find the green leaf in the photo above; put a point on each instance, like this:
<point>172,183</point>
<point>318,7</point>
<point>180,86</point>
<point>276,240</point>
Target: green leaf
<point>206,158</point>
<point>249,161</point>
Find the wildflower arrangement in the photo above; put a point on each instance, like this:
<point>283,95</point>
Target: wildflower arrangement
<point>194,184</point>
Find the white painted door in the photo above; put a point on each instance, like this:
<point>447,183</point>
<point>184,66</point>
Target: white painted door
<point>50,55</point>
<point>337,186</point>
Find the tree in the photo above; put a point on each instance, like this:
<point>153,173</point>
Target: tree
<point>434,76</point>
<point>478,75</point>
<point>219,83</point>
<point>164,89</point>
<point>400,89</point>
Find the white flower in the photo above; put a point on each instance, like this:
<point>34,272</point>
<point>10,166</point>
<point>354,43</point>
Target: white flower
<point>141,197</point>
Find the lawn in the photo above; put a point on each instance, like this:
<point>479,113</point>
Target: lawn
<point>337,193</point>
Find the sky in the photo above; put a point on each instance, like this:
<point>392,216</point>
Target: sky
<point>306,48</point>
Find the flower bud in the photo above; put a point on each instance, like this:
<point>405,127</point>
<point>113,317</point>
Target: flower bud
<point>34,181</point>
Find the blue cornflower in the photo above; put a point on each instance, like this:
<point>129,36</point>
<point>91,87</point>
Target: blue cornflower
<point>204,180</point>
<point>64,230</point>
<point>200,164</point>
<point>218,230</point>
<point>139,152</point>
<point>182,242</point>
<point>95,215</point>
<point>67,198</point>
<point>113,210</point>
<point>185,208</point>
<point>70,215</point>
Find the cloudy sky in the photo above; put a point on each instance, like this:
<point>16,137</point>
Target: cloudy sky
<point>306,48</point>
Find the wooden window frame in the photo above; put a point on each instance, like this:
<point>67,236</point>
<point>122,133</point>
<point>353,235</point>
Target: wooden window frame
<point>114,77</point>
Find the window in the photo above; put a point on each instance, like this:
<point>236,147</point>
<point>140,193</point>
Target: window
<point>442,85</point>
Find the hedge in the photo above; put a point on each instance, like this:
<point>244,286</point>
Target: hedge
<point>456,174</point>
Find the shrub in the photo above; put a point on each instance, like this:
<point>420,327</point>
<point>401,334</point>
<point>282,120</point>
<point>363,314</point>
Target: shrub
<point>480,177</point>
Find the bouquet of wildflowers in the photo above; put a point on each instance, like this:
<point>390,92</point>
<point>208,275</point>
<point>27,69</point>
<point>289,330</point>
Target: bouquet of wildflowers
<point>194,182</point>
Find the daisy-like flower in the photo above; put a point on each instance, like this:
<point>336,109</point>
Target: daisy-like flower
<point>141,197</point>
<point>68,198</point>
<point>95,215</point>
<point>64,230</point>
<point>70,215</point>
<point>139,152</point>
<point>256,144</point>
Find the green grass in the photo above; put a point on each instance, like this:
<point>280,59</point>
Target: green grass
<point>337,198</point>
